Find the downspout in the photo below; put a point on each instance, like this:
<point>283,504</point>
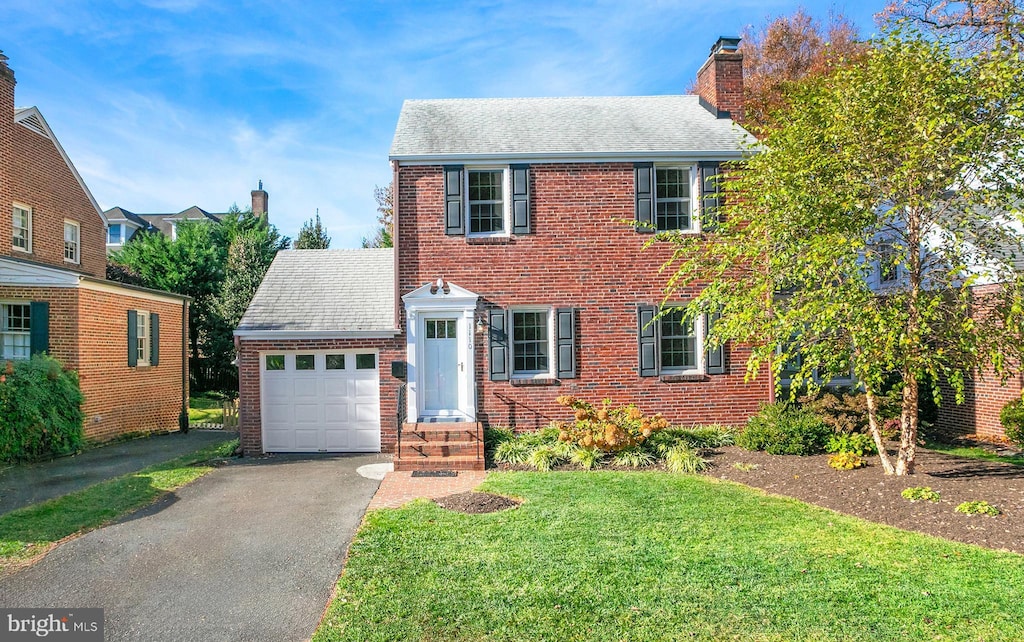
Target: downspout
<point>400,395</point>
<point>183,415</point>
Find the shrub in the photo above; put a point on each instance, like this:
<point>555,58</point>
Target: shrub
<point>846,461</point>
<point>745,467</point>
<point>610,429</point>
<point>779,429</point>
<point>544,458</point>
<point>713,436</point>
<point>494,437</point>
<point>847,412</point>
<point>634,457</point>
<point>684,459</point>
<point>857,443</point>
<point>586,458</point>
<point>1012,419</point>
<point>514,451</point>
<point>40,410</point>
<point>978,508</point>
<point>919,493</point>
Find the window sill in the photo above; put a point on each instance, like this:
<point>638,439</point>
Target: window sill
<point>688,377</point>
<point>543,381</point>
<point>488,240</point>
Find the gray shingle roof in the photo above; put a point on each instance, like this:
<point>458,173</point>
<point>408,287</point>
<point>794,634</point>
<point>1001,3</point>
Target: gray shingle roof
<point>595,126</point>
<point>325,291</point>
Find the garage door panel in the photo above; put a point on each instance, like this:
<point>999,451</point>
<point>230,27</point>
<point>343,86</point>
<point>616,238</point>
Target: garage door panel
<point>321,410</point>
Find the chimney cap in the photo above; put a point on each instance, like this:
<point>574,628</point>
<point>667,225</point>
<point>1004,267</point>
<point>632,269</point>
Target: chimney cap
<point>725,44</point>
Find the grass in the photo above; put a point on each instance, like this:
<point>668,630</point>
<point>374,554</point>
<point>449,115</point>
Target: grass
<point>607,555</point>
<point>203,409</point>
<point>29,531</point>
<point>974,452</point>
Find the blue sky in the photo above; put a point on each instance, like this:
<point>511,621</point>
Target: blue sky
<point>164,104</point>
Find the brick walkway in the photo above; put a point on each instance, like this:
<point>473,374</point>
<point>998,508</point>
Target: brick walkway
<point>400,487</point>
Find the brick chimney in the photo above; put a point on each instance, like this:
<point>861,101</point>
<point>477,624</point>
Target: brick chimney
<point>259,200</point>
<point>6,148</point>
<point>720,80</point>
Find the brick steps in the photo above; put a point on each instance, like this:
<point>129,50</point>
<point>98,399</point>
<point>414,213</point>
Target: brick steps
<point>440,447</point>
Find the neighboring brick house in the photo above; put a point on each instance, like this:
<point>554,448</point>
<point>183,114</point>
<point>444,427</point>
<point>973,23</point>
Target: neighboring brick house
<point>517,277</point>
<point>126,343</point>
<point>123,224</point>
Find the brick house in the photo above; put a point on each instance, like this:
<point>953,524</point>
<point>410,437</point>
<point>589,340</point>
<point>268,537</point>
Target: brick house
<point>123,224</point>
<point>516,277</point>
<point>126,343</point>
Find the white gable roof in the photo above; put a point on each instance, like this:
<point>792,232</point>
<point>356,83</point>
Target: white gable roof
<point>329,293</point>
<point>589,127</point>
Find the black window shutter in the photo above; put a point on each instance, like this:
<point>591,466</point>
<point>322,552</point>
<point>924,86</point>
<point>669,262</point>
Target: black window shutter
<point>498,352</point>
<point>710,198</point>
<point>520,198</point>
<point>39,326</point>
<point>647,340</point>
<point>565,321</point>
<point>644,182</point>
<point>454,221</point>
<point>716,356</point>
<point>154,339</point>
<point>133,338</point>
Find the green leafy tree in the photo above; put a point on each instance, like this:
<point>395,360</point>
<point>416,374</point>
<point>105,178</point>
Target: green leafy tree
<point>385,218</point>
<point>312,236</point>
<point>907,168</point>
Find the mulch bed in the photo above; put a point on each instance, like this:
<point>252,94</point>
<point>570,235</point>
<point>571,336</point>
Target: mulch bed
<point>473,502</point>
<point>870,494</point>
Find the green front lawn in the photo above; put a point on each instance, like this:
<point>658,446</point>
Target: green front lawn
<point>29,531</point>
<point>653,556</point>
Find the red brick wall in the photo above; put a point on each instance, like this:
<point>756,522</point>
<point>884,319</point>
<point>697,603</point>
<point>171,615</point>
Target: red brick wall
<point>720,82</point>
<point>579,255</point>
<point>89,334</point>
<point>250,424</point>
<point>984,396</point>
<point>120,399</point>
<point>34,173</point>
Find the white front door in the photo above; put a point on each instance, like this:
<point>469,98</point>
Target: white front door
<point>441,366</point>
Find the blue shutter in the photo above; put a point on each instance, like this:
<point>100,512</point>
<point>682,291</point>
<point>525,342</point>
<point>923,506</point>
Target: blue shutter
<point>710,198</point>
<point>644,182</point>
<point>133,338</point>
<point>498,352</point>
<point>154,339</point>
<point>520,199</point>
<point>716,356</point>
<point>454,221</point>
<point>565,327</point>
<point>39,327</point>
<point>647,340</point>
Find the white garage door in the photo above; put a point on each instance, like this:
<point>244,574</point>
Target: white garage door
<point>320,401</point>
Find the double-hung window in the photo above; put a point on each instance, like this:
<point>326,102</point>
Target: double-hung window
<point>673,203</point>
<point>142,345</point>
<point>678,343</point>
<point>531,343</point>
<point>115,233</point>
<point>21,228</point>
<point>15,327</point>
<point>486,201</point>
<point>72,232</point>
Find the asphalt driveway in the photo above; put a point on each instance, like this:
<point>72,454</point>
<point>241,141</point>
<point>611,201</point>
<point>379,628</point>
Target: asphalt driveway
<point>250,551</point>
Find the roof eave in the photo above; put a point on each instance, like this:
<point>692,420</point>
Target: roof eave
<point>242,333</point>
<point>571,156</point>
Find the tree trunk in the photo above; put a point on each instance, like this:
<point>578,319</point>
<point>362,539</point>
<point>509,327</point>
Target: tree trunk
<point>876,433</point>
<point>908,426</point>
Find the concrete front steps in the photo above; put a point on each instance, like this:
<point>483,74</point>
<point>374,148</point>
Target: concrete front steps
<point>441,446</point>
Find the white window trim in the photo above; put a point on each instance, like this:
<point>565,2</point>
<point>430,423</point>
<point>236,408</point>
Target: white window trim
<point>698,347</point>
<point>552,348</point>
<point>28,210</point>
<point>78,242</point>
<point>4,304</point>
<point>506,200</point>
<point>120,226</point>
<point>145,354</point>
<point>174,230</point>
<point>695,197</point>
